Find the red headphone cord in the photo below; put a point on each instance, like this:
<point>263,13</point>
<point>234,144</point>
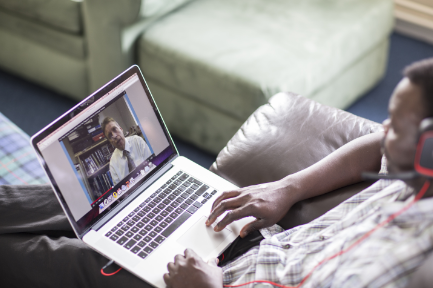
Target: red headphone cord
<point>365,236</point>
<point>106,265</point>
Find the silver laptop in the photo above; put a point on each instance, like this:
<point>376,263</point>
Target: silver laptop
<point>140,209</point>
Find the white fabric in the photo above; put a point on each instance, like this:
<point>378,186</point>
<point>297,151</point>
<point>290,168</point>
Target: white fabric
<point>119,163</point>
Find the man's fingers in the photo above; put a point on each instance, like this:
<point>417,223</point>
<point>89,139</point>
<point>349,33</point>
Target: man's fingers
<point>232,216</point>
<point>227,204</point>
<point>190,253</point>
<point>252,226</point>
<point>167,280</point>
<point>223,196</point>
<point>178,258</point>
<point>170,267</point>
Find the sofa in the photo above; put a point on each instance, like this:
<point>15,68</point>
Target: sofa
<point>74,46</point>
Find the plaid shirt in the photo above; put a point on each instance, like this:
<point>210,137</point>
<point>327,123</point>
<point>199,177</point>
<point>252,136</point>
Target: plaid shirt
<point>385,259</point>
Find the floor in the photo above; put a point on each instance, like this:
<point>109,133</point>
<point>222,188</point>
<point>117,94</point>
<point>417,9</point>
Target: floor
<point>32,107</point>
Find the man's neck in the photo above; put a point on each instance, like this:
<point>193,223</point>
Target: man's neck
<point>418,183</point>
<point>127,147</point>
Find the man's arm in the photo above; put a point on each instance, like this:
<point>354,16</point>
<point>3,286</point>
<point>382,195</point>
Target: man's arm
<point>269,202</point>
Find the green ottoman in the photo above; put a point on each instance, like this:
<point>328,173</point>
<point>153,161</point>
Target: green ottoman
<point>210,64</point>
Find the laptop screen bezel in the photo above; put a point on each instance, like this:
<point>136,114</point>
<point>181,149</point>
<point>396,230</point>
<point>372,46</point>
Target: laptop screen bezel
<point>62,120</point>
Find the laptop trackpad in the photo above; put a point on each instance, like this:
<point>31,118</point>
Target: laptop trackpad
<point>202,239</point>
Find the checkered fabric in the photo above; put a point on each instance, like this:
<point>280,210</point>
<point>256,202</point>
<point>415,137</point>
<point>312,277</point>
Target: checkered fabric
<point>18,162</point>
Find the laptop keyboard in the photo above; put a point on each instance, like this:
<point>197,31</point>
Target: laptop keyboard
<point>160,215</point>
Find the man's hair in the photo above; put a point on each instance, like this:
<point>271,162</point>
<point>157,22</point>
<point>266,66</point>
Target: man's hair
<point>105,123</point>
<point>421,74</point>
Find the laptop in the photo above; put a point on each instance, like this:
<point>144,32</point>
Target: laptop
<point>143,217</point>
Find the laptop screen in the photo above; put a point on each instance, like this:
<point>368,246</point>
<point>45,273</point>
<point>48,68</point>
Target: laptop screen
<point>100,151</point>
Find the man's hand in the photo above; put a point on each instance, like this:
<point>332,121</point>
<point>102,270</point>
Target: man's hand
<point>191,271</point>
<point>267,202</point>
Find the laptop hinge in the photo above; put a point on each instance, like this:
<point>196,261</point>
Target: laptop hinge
<point>134,195</point>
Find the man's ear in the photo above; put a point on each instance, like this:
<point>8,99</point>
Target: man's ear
<point>424,151</point>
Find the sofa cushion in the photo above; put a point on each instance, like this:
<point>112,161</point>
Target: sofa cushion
<point>61,73</point>
<point>57,41</point>
<point>288,134</point>
<point>62,14</point>
<point>234,55</point>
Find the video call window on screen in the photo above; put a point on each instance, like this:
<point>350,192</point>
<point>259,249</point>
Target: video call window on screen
<point>102,158</point>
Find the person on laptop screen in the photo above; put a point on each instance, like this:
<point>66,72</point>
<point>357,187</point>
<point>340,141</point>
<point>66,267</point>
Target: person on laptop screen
<point>130,151</point>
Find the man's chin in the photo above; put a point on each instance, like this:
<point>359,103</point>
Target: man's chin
<point>121,145</point>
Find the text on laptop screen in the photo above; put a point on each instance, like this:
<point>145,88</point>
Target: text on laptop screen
<point>107,148</point>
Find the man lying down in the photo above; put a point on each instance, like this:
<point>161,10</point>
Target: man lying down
<point>38,248</point>
<point>387,258</point>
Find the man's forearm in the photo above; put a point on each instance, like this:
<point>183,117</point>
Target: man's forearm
<point>341,168</point>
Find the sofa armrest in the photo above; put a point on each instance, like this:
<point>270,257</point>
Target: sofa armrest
<point>111,30</point>
<point>111,11</point>
<point>103,24</point>
<point>288,134</point>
